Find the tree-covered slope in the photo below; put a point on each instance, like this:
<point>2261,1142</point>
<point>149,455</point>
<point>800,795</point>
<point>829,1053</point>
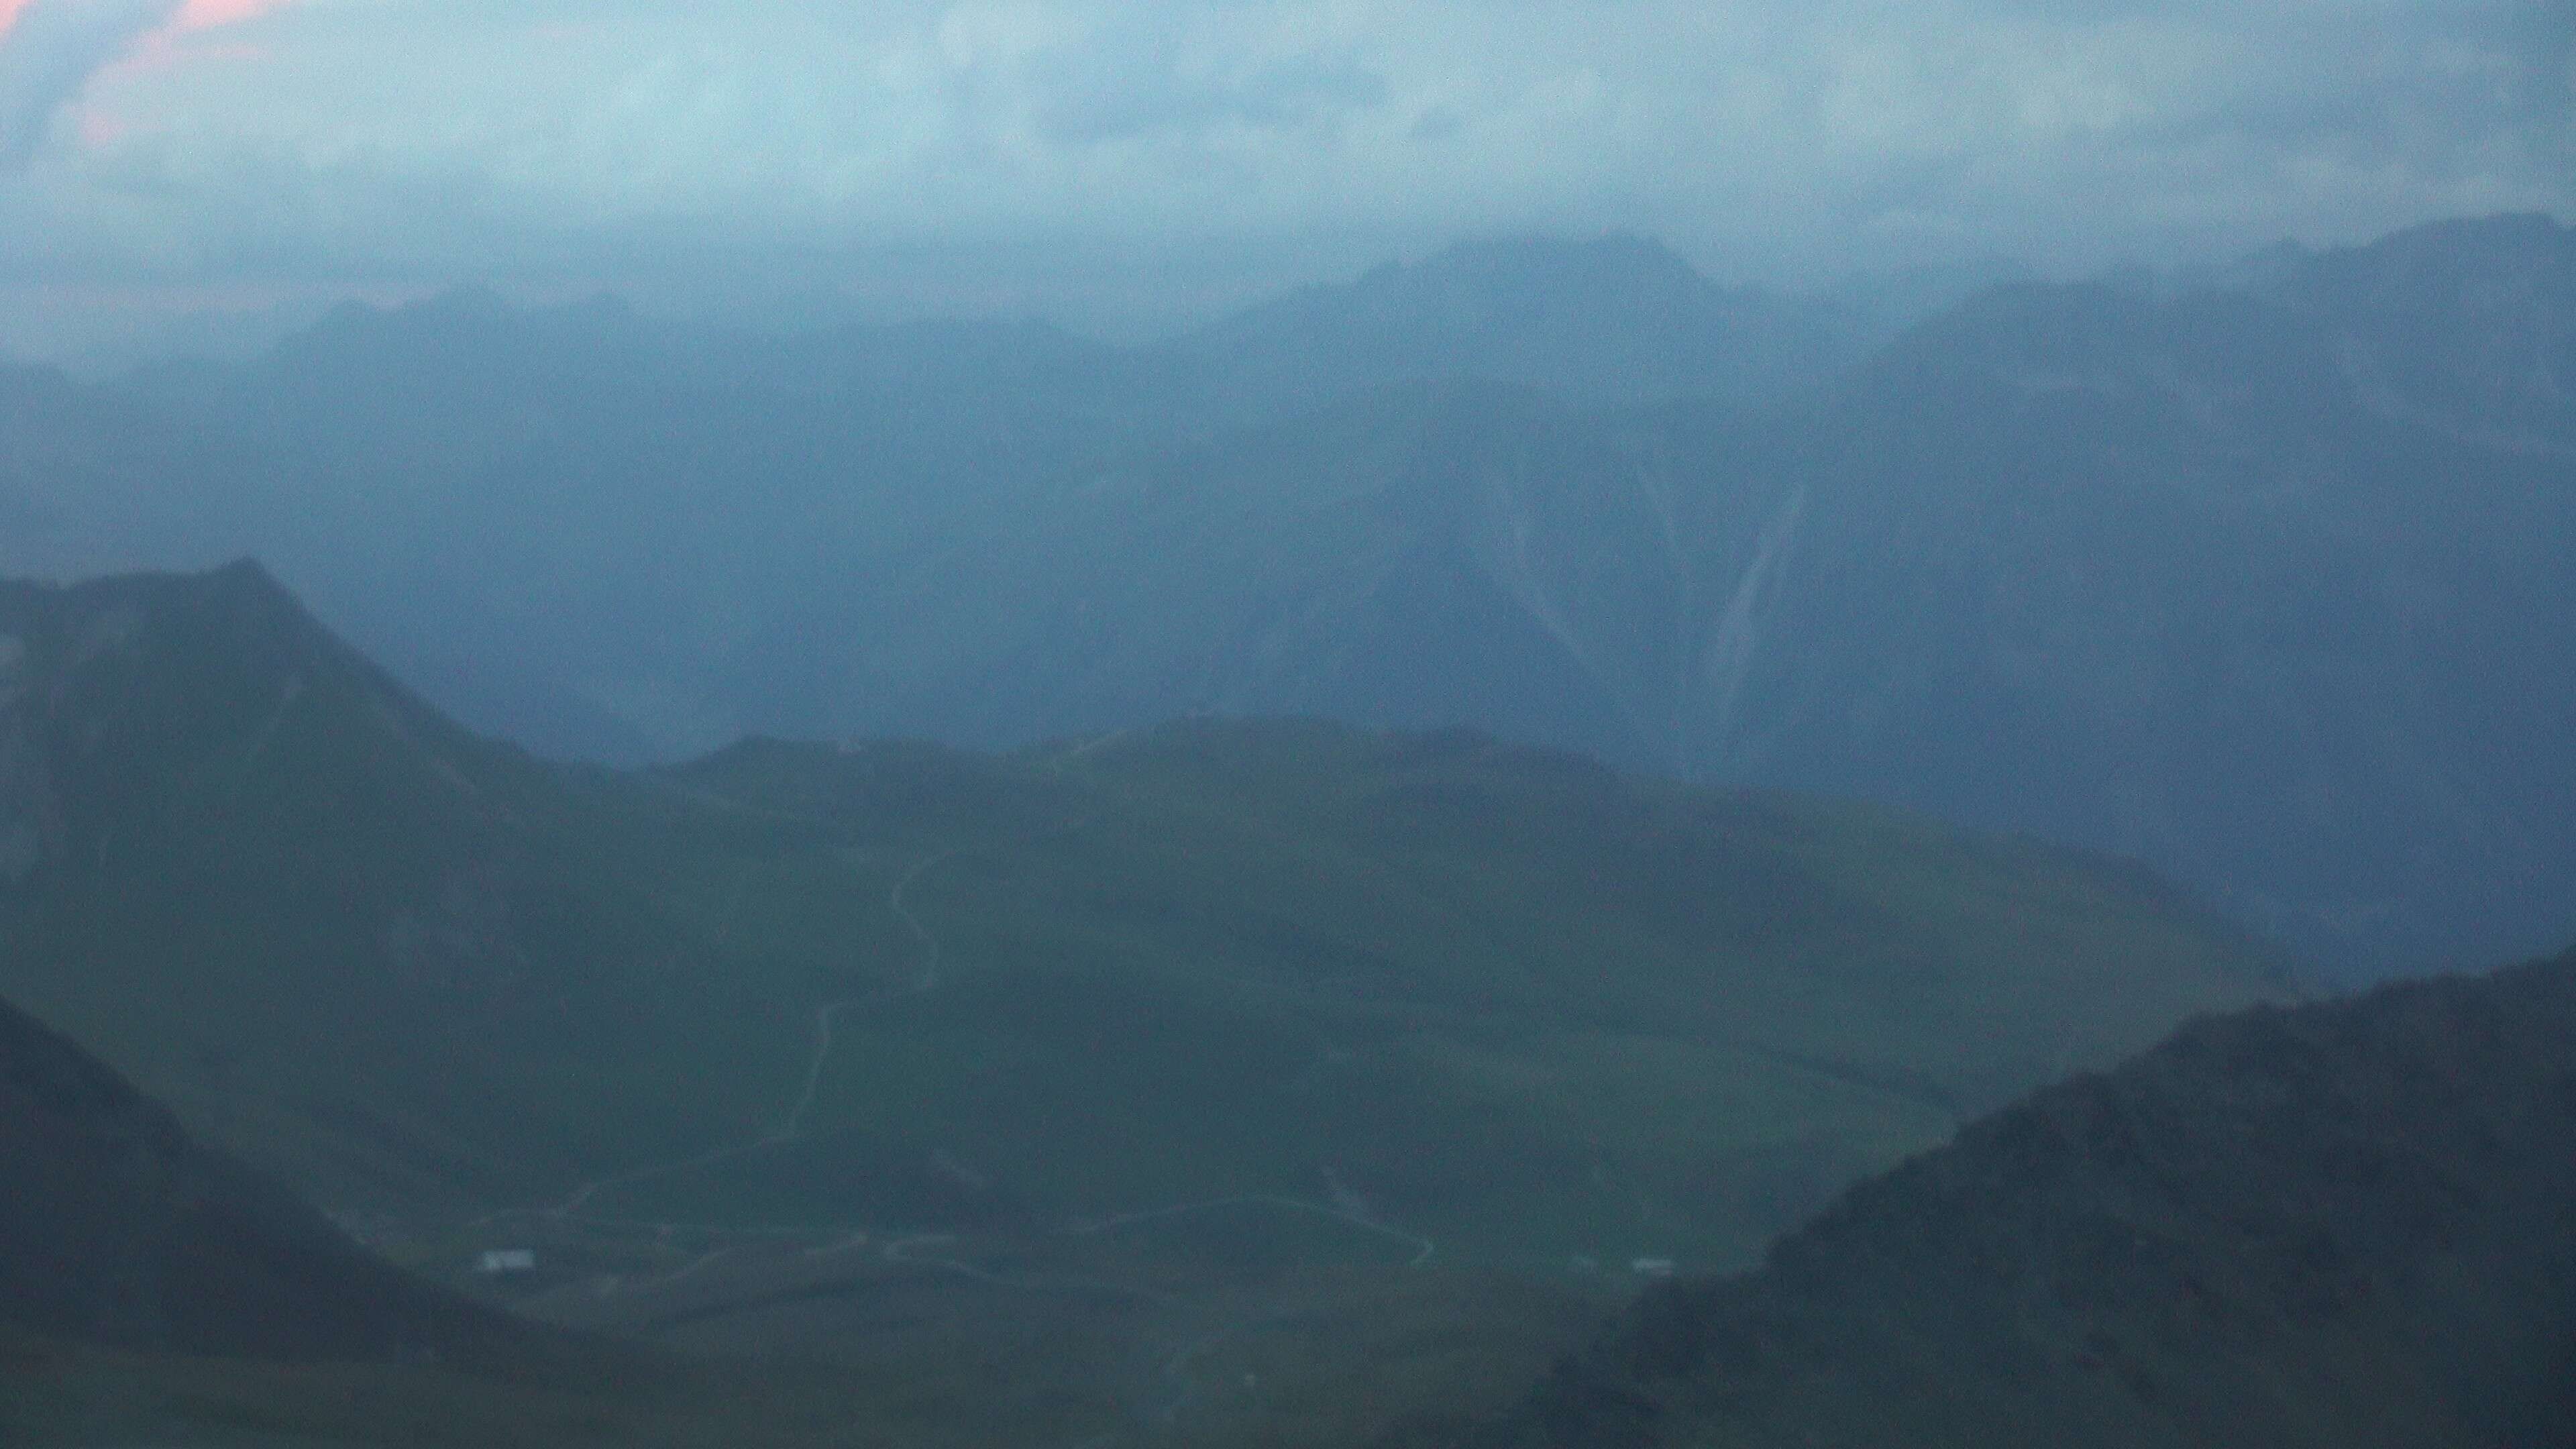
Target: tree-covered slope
<point>2339,1224</point>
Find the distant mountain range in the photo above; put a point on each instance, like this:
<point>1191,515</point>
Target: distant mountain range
<point>1607,322</point>
<point>2338,1225</point>
<point>2257,575</point>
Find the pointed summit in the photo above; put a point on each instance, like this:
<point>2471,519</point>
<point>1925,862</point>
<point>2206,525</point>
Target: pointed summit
<point>1614,319</point>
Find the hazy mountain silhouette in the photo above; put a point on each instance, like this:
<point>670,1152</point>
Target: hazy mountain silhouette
<point>2192,578</point>
<point>1608,321</point>
<point>2254,574</point>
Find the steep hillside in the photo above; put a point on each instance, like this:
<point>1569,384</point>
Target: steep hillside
<point>332,929</point>
<point>2346,1224</point>
<point>116,1229</point>
<point>2465,327</point>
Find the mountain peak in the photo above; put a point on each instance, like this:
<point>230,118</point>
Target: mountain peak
<point>2508,232</point>
<point>249,580</point>
<point>1612,259</point>
<point>160,681</point>
<point>2440,264</point>
<point>1610,319</point>
<point>1531,272</point>
<point>247,604</point>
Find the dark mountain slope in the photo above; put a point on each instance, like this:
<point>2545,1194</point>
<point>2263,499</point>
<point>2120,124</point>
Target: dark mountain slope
<point>154,1292</point>
<point>116,1229</point>
<point>2350,1224</point>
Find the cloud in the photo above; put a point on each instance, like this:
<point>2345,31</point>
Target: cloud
<point>1108,75</point>
<point>1041,150</point>
<point>50,50</point>
<point>207,14</point>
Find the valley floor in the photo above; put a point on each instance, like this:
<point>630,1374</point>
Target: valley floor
<point>906,1342</point>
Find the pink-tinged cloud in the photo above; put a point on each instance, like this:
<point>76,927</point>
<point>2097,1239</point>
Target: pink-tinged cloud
<point>49,52</point>
<point>9,13</point>
<point>159,49</point>
<point>99,129</point>
<point>207,14</point>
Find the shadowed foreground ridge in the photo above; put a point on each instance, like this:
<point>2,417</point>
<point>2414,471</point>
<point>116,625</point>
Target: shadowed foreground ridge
<point>2345,1224</point>
<point>115,1229</point>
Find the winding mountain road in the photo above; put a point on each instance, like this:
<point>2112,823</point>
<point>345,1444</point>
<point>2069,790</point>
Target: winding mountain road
<point>1424,1248</point>
<point>826,1038</point>
<point>827,1017</point>
<point>941,1252</point>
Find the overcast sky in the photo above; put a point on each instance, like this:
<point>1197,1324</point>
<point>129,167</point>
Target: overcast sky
<point>1137,159</point>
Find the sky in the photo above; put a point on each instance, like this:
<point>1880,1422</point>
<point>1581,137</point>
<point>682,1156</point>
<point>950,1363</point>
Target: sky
<point>1132,164</point>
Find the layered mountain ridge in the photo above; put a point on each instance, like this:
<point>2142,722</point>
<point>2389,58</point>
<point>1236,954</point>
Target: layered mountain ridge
<point>2253,576</point>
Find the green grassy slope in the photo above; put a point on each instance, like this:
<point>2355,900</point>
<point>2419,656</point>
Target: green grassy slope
<point>1517,1002</point>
